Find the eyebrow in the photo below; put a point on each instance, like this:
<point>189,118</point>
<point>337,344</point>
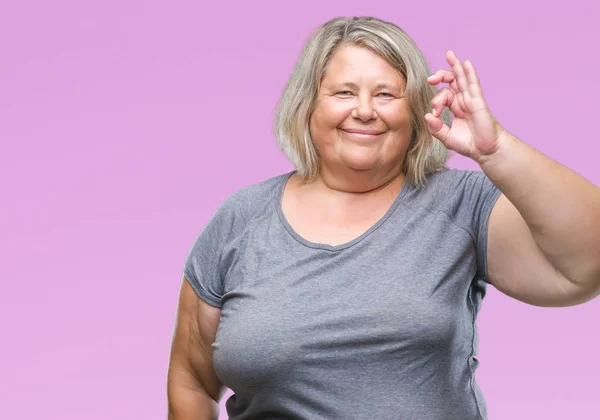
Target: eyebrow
<point>380,85</point>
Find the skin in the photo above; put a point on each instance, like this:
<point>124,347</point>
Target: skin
<point>360,174</point>
<point>544,230</point>
<point>193,388</point>
<point>350,98</point>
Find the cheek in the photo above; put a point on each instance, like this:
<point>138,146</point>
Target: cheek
<point>398,118</point>
<point>328,116</point>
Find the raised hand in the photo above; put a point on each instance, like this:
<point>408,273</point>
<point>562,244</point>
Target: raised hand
<point>475,133</point>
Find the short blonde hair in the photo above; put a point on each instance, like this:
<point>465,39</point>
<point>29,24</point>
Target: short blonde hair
<point>426,154</point>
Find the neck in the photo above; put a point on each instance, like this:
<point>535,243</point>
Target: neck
<point>359,182</point>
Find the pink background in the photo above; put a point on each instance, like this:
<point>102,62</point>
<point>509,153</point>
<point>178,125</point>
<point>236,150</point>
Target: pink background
<point>125,124</point>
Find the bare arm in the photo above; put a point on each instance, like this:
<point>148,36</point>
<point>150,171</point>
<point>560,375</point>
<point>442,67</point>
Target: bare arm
<point>544,235</point>
<point>193,388</point>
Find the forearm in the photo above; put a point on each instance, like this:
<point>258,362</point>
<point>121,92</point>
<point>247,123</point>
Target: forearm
<point>561,208</point>
<point>187,400</point>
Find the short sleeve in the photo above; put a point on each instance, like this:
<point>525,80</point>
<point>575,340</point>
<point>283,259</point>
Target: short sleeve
<point>202,264</point>
<point>477,198</point>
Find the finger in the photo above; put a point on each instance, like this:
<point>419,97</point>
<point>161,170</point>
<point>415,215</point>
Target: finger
<point>441,76</point>
<point>457,68</point>
<point>445,97</point>
<point>474,85</point>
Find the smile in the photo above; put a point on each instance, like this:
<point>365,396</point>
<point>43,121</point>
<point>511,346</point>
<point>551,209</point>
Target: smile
<point>367,134</point>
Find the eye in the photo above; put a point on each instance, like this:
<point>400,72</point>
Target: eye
<point>389,95</point>
<point>344,93</point>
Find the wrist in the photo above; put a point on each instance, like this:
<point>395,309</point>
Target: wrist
<point>505,148</point>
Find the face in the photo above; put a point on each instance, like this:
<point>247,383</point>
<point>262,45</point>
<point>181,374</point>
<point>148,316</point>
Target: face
<point>361,121</point>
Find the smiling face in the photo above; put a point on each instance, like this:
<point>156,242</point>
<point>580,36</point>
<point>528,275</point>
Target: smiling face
<point>361,121</point>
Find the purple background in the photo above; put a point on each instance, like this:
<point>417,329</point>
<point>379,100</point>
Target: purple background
<point>125,124</point>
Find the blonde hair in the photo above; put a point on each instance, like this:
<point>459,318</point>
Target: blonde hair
<point>425,155</point>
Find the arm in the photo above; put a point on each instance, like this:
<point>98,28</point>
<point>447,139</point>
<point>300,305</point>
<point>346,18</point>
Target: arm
<point>544,233</point>
<point>193,388</point>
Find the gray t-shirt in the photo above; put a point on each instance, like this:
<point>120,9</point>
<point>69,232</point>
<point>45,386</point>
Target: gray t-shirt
<point>381,327</point>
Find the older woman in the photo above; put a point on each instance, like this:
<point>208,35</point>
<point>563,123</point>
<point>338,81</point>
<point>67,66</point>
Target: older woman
<point>349,287</point>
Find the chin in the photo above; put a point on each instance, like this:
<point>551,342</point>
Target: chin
<point>360,164</point>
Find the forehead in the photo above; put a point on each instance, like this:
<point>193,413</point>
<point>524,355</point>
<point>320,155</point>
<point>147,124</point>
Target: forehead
<point>352,63</point>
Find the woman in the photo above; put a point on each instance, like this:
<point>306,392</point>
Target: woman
<point>349,288</point>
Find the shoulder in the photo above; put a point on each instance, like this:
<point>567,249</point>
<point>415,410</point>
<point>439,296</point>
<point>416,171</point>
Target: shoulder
<point>450,177</point>
<point>459,193</point>
<point>252,198</point>
<point>448,185</point>
<point>249,202</point>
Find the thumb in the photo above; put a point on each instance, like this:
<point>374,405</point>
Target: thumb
<point>437,127</point>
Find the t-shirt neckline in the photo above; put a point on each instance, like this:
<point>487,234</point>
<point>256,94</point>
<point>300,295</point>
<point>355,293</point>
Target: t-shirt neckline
<point>307,243</point>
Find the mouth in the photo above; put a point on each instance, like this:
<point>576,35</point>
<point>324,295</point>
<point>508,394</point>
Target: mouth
<point>362,131</point>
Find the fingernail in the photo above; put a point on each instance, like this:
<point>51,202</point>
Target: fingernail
<point>434,112</point>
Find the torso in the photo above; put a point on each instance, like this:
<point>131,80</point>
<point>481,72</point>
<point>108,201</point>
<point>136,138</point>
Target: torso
<point>333,221</point>
<point>381,327</point>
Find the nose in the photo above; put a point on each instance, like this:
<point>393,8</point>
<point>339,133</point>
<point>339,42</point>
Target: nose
<point>364,108</point>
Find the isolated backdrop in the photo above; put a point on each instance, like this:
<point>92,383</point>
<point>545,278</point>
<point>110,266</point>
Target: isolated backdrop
<point>124,124</point>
